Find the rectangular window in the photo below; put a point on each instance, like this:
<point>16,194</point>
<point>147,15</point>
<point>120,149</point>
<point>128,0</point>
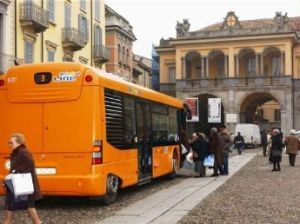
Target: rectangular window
<point>50,56</point>
<point>172,74</point>
<point>129,114</point>
<point>97,9</point>
<point>51,10</point>
<point>67,15</point>
<point>83,5</point>
<point>28,52</point>
<point>277,116</point>
<point>98,36</point>
<point>83,27</point>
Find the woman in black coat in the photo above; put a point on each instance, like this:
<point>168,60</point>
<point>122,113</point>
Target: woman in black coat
<point>276,150</point>
<point>21,161</point>
<point>200,149</point>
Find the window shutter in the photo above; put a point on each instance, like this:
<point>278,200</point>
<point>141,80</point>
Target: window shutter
<point>86,30</point>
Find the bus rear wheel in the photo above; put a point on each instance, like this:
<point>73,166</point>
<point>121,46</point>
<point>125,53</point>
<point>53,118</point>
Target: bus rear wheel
<point>175,163</point>
<point>112,187</point>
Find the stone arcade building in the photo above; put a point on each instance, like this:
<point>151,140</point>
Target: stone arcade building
<point>253,66</point>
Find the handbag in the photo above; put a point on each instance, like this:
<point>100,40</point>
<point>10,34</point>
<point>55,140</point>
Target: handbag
<point>209,160</point>
<point>22,183</point>
<point>11,201</point>
<point>276,153</point>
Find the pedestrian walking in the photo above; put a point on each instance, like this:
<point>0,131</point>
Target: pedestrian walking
<point>184,145</point>
<point>21,161</point>
<point>225,142</point>
<point>239,143</point>
<point>276,149</point>
<point>214,147</point>
<point>200,149</point>
<point>264,142</point>
<point>292,144</point>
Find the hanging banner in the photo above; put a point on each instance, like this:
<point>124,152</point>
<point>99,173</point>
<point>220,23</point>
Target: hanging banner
<point>214,110</point>
<point>194,109</point>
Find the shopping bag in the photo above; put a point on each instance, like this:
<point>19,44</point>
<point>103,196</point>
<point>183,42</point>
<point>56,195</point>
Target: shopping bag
<point>209,160</point>
<point>12,202</point>
<point>183,149</point>
<point>22,183</point>
<point>189,157</point>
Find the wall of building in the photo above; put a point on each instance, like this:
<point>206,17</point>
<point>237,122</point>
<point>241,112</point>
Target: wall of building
<point>53,35</point>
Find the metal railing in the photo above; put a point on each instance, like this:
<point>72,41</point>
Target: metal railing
<point>73,37</point>
<point>8,61</point>
<point>29,11</point>
<point>101,53</point>
<point>232,82</point>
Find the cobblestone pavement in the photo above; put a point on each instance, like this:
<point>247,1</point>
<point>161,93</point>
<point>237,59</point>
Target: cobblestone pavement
<point>83,211</point>
<point>253,195</point>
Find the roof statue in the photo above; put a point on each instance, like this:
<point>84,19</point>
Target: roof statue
<point>182,28</point>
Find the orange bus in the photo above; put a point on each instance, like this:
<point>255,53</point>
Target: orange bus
<point>90,132</point>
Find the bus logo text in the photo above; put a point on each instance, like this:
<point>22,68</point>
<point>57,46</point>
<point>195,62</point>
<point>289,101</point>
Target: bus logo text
<point>66,77</point>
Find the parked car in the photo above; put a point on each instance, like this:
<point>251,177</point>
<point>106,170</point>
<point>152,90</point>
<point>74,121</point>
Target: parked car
<point>250,132</point>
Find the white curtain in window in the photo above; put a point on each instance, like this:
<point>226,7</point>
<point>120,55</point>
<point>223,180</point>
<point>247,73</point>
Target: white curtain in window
<point>276,66</point>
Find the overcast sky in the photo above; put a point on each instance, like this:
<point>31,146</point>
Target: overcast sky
<point>154,19</point>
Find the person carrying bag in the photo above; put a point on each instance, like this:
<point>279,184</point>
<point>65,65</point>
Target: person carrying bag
<point>19,192</point>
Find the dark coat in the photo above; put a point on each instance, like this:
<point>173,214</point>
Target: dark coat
<point>200,146</point>
<point>214,147</point>
<point>22,162</point>
<point>276,145</point>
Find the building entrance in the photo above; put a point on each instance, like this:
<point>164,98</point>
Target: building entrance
<point>203,125</point>
<point>261,109</point>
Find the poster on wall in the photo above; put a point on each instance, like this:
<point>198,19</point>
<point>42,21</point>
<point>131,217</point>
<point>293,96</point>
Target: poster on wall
<point>194,109</point>
<point>214,110</point>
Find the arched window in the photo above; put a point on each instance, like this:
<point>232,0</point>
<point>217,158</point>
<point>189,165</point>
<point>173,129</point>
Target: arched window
<point>123,55</point>
<point>127,57</point>
<point>119,54</point>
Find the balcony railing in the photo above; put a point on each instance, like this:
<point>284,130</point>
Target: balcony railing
<point>32,15</point>
<point>101,53</point>
<point>72,38</point>
<point>235,82</point>
<point>7,61</point>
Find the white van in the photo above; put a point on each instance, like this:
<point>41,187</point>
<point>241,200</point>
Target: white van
<point>250,132</point>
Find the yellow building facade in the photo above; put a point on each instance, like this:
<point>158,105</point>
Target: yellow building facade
<point>245,63</point>
<point>65,30</point>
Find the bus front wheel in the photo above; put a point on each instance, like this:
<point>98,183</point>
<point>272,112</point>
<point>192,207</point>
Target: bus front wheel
<point>112,187</point>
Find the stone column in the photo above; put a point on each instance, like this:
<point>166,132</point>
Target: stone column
<point>202,67</point>
<point>183,68</point>
<point>207,67</point>
<point>225,65</point>
<point>281,63</point>
<point>262,64</point>
<point>256,65</point>
<point>237,61</point>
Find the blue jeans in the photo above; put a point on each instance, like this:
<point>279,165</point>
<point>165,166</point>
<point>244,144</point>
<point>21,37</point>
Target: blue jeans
<point>225,164</point>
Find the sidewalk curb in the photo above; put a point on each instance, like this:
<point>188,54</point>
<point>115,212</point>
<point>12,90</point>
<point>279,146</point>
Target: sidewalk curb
<point>170,205</point>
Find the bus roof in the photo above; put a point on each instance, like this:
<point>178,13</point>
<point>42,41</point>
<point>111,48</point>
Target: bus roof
<point>101,78</point>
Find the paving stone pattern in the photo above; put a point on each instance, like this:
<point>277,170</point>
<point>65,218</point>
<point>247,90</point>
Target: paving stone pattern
<point>254,195</point>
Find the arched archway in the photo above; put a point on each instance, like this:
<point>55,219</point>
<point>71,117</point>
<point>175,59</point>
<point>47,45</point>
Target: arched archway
<point>217,64</point>
<point>193,65</point>
<point>262,109</point>
<point>273,62</point>
<point>202,125</point>
<point>247,62</point>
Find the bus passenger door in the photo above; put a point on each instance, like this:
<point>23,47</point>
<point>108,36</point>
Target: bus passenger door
<point>145,141</point>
